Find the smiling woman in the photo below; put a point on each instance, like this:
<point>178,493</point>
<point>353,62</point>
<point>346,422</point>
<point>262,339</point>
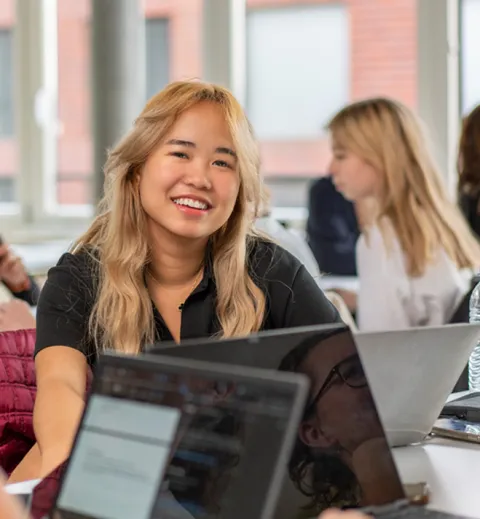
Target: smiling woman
<point>172,255</point>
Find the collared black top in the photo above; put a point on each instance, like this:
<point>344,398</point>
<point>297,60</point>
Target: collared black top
<point>293,298</point>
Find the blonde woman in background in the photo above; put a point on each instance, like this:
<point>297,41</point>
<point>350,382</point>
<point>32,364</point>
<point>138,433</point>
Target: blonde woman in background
<point>416,252</point>
<point>172,255</point>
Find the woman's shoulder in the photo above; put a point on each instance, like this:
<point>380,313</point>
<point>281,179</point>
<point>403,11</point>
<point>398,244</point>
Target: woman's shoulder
<point>269,261</point>
<point>79,267</point>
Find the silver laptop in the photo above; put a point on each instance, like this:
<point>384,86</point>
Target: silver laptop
<point>341,456</point>
<point>412,372</point>
<point>177,439</point>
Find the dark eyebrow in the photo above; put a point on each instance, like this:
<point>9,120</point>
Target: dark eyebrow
<point>189,144</point>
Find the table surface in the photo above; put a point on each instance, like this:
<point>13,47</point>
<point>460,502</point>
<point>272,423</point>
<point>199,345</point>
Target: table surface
<point>451,469</point>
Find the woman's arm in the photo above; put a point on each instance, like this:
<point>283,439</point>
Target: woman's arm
<point>61,384</point>
<point>62,348</point>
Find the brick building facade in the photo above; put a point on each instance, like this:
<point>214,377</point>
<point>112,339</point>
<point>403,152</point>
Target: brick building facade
<point>382,60</point>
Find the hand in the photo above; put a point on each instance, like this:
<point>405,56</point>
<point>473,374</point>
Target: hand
<point>349,298</point>
<point>12,271</point>
<point>342,514</point>
<point>16,315</point>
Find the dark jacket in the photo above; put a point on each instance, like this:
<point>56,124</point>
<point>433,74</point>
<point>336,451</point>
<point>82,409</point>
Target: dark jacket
<point>30,296</point>
<point>332,229</point>
<point>469,205</point>
<point>18,390</point>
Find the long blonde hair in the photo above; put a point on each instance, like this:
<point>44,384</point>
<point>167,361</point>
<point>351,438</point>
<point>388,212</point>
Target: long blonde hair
<point>121,318</point>
<point>389,137</point>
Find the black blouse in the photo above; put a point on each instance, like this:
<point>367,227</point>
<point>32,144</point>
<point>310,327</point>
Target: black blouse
<point>293,298</point>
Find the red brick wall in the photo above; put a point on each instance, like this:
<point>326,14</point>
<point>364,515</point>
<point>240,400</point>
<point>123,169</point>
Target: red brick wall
<point>383,61</point>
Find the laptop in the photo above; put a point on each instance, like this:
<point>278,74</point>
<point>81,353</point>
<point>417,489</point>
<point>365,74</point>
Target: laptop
<point>412,372</point>
<point>341,456</point>
<point>177,439</point>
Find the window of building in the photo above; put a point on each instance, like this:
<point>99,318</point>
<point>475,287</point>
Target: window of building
<point>157,59</point>
<point>298,69</point>
<point>6,90</point>
<point>470,55</point>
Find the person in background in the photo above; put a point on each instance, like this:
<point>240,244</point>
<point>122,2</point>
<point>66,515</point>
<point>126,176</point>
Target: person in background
<point>14,276</point>
<point>469,170</point>
<point>17,292</point>
<point>15,315</point>
<point>286,238</point>
<point>332,229</point>
<point>171,255</point>
<point>416,253</point>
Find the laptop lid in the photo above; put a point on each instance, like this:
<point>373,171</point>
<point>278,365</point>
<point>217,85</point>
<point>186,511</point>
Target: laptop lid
<point>177,439</point>
<point>341,455</point>
<point>412,372</point>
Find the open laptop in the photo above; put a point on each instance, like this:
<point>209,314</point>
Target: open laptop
<point>177,439</point>
<point>412,372</point>
<point>341,457</point>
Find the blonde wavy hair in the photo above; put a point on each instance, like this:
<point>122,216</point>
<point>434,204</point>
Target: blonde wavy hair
<point>389,137</point>
<point>121,318</point>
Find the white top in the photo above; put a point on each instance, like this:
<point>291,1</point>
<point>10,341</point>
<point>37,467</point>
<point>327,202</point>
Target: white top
<point>390,299</point>
<point>290,241</point>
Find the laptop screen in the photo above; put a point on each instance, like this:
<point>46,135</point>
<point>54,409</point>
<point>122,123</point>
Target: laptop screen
<point>341,457</point>
<point>173,444</point>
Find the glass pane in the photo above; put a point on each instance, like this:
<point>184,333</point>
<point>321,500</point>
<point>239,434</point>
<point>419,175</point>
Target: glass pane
<point>163,34</point>
<point>8,157</point>
<point>74,154</point>
<point>470,55</point>
<point>173,40</point>
<point>305,60</point>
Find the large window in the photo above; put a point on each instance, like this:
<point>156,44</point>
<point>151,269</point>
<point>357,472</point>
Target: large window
<point>8,155</point>
<point>6,90</point>
<point>470,55</point>
<point>158,57</point>
<point>73,180</point>
<point>298,69</point>
<point>305,60</point>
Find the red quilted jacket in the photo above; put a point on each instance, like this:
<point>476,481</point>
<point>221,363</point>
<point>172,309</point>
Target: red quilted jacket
<point>17,396</point>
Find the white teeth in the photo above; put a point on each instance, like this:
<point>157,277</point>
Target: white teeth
<point>189,202</point>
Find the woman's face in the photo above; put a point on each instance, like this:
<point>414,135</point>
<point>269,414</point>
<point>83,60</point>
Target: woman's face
<point>355,178</point>
<point>343,415</point>
<point>190,182</point>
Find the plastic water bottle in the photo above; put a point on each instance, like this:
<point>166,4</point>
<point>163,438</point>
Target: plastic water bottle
<point>474,362</point>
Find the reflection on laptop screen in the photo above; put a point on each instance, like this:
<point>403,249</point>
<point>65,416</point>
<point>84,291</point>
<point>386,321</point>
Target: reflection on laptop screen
<point>175,445</point>
<point>341,457</point>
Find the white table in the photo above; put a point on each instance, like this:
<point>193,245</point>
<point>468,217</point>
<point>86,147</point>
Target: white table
<point>451,469</point>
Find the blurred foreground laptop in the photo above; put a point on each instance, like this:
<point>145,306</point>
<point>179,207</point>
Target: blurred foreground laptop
<point>341,457</point>
<point>175,439</point>
<point>411,372</point>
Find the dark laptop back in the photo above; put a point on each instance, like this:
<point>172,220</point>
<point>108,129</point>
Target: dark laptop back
<point>174,439</point>
<point>341,456</point>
